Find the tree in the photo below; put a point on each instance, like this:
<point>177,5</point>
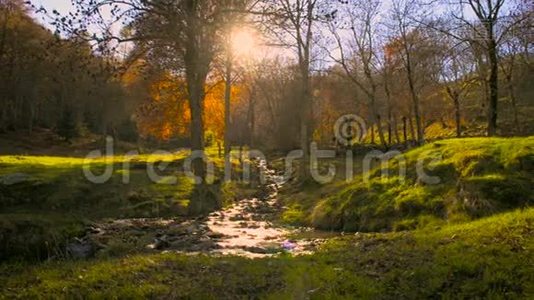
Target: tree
<point>513,52</point>
<point>291,24</point>
<point>487,13</point>
<point>403,16</point>
<point>458,69</point>
<point>67,125</point>
<point>360,56</point>
<point>43,75</point>
<point>182,36</point>
<point>493,21</point>
<point>276,103</point>
<point>387,76</point>
<point>233,19</point>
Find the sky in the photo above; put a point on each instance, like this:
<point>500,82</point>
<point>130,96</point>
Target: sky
<point>63,6</point>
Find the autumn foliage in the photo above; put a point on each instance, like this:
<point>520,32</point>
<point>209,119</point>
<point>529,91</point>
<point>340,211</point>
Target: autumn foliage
<point>166,114</point>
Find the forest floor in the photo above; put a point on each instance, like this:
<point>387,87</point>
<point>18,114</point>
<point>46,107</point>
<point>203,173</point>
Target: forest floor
<point>61,237</point>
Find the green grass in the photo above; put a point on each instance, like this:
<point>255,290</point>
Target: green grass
<point>478,177</point>
<point>471,236</point>
<point>54,189</point>
<point>489,258</point>
<point>59,184</point>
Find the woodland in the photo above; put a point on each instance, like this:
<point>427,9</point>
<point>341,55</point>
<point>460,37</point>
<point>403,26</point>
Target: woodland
<point>280,149</point>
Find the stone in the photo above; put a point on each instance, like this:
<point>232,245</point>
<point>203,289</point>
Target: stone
<point>161,243</point>
<point>215,235</point>
<point>256,250</point>
<point>191,229</point>
<point>203,246</point>
<point>254,226</point>
<point>96,230</point>
<point>80,249</point>
<point>180,244</point>
<point>238,217</point>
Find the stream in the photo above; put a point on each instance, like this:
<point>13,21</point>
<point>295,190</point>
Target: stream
<point>244,229</point>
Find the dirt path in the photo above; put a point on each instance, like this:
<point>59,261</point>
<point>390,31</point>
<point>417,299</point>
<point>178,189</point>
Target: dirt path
<point>245,229</point>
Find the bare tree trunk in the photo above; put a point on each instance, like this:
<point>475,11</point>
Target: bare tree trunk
<point>493,86</point>
<point>390,130</point>
<point>392,118</point>
<point>511,93</point>
<point>412,129</point>
<point>457,116</point>
<point>376,117</point>
<point>381,131</point>
<point>227,99</point>
<point>203,198</point>
<point>396,130</point>
<point>513,98</point>
<point>304,40</point>
<point>197,63</point>
<point>415,101</point>
<point>455,97</point>
<point>488,14</point>
<point>196,102</point>
<point>408,65</point>
<point>405,130</point>
<point>304,125</point>
<point>251,118</point>
<point>372,132</point>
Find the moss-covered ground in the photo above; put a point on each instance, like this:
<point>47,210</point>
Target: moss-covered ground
<point>471,235</point>
<point>472,178</point>
<point>488,258</point>
<point>46,200</point>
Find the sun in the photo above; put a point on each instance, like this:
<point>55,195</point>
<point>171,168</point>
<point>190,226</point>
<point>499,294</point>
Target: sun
<point>244,42</point>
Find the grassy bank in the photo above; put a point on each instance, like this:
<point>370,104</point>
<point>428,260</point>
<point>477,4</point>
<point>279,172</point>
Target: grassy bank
<point>476,177</point>
<point>46,200</point>
<point>491,257</point>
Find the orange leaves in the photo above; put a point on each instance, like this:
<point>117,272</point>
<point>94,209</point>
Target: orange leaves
<point>214,107</point>
<point>166,113</point>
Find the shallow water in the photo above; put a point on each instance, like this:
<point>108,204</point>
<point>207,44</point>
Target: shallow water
<point>246,228</point>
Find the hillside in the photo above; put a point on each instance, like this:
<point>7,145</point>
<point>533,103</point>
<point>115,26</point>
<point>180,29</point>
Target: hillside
<point>477,177</point>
